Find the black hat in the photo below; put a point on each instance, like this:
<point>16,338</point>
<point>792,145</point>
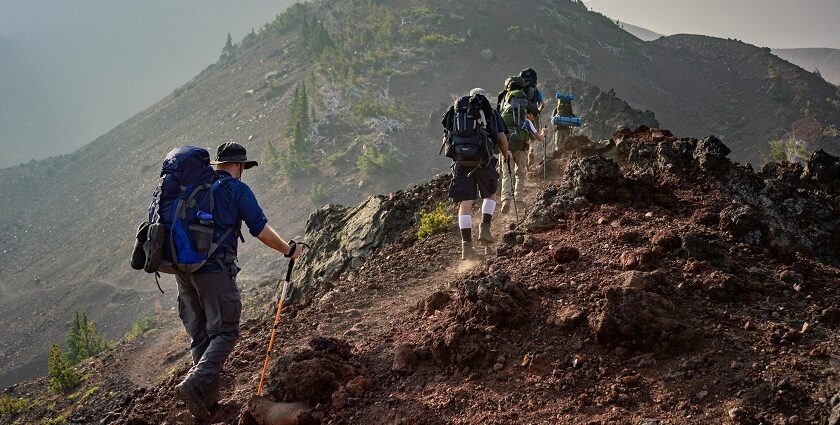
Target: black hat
<point>529,75</point>
<point>231,152</point>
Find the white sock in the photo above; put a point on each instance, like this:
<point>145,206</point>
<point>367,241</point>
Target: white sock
<point>488,207</point>
<point>465,222</point>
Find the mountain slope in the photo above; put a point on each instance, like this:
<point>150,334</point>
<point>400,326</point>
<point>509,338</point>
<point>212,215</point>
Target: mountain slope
<point>379,80</point>
<point>670,285</point>
<point>639,32</point>
<point>826,61</point>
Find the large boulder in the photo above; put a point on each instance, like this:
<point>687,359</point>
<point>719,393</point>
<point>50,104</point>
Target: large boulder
<point>825,170</point>
<point>344,237</point>
<point>609,113</point>
<point>595,178</point>
<point>634,318</point>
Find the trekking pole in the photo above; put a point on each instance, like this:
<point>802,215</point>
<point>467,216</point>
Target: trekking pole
<point>283,293</point>
<point>545,156</point>
<point>512,191</point>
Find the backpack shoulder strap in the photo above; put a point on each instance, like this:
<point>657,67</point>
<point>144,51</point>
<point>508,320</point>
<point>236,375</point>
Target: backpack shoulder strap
<point>216,186</point>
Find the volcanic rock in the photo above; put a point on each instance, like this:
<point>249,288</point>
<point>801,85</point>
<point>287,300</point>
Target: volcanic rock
<point>637,319</point>
<point>405,359</point>
<point>565,254</point>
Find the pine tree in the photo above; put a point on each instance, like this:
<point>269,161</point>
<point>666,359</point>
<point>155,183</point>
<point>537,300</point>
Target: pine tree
<point>306,30</point>
<point>298,141</point>
<point>62,377</point>
<point>230,49</point>
<point>270,154</point>
<point>293,114</point>
<point>82,339</point>
<point>303,111</point>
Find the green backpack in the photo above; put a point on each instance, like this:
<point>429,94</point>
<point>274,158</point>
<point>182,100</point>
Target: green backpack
<point>514,113</point>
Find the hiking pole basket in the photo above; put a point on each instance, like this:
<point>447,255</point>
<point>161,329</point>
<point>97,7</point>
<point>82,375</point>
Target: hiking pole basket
<point>512,191</point>
<point>280,301</point>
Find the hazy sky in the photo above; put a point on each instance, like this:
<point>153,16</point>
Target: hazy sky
<point>70,70</point>
<point>766,23</point>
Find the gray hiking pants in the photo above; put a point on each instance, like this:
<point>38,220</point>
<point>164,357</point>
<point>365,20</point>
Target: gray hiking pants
<point>560,135</point>
<point>209,305</point>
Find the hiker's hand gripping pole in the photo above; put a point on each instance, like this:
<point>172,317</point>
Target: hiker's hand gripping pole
<point>280,301</point>
<point>512,191</point>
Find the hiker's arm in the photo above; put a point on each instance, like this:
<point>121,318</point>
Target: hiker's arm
<point>271,239</point>
<point>503,146</point>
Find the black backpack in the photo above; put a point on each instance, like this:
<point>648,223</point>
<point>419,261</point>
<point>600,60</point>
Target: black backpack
<point>469,142</point>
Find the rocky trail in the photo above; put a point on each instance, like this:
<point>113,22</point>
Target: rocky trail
<point>668,285</point>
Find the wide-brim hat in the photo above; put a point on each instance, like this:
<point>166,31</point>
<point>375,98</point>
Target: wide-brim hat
<point>231,152</point>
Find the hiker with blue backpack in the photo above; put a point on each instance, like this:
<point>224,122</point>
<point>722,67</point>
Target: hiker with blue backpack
<point>562,119</point>
<point>193,232</point>
<point>515,107</point>
<point>474,135</point>
<point>536,102</point>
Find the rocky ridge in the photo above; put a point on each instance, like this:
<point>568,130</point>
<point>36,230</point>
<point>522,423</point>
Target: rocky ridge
<point>669,285</point>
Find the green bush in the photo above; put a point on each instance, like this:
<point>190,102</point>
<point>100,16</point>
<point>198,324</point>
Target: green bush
<point>374,108</point>
<point>318,194</point>
<point>372,161</point>
<point>337,157</point>
<point>435,221</point>
<point>9,404</point>
<point>61,375</point>
<point>436,40</point>
<point>140,327</point>
<point>249,40</point>
<point>83,340</point>
<point>787,149</point>
<point>58,420</point>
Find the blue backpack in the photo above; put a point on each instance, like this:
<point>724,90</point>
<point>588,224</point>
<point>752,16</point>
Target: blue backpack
<point>179,235</point>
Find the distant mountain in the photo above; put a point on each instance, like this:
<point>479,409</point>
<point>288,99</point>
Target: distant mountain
<point>81,68</point>
<point>640,33</point>
<point>378,75</point>
<point>824,60</point>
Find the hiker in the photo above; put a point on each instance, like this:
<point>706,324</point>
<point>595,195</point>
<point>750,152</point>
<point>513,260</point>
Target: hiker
<point>473,133</point>
<point>209,301</point>
<point>563,109</point>
<point>536,102</point>
<point>513,104</point>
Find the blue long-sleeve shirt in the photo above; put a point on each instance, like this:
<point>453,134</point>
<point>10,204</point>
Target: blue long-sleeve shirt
<point>235,203</point>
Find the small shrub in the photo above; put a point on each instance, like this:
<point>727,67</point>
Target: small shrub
<point>318,194</point>
<point>337,157</point>
<point>831,131</point>
<point>249,40</point>
<point>9,404</point>
<point>58,420</point>
<point>487,55</point>
<point>435,221</point>
<point>62,376</point>
<point>373,108</point>
<point>140,327</point>
<point>88,393</point>
<point>436,40</point>
<point>787,149</point>
<point>372,161</point>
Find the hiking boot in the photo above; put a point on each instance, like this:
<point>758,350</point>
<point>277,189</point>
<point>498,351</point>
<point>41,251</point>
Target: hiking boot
<point>195,403</point>
<point>211,394</point>
<point>484,233</point>
<point>505,207</point>
<point>467,251</point>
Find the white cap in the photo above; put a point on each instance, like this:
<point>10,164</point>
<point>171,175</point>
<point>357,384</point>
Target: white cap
<point>478,90</point>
